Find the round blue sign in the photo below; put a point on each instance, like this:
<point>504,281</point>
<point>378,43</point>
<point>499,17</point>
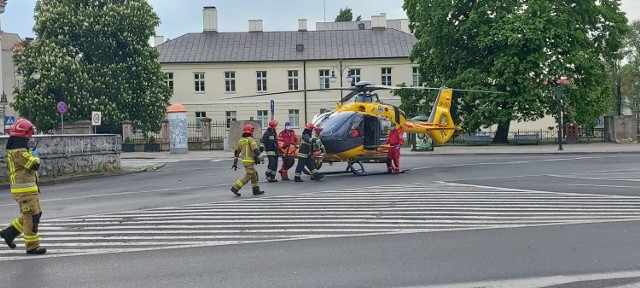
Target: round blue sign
<point>62,107</point>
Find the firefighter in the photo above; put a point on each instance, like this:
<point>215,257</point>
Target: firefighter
<point>318,148</point>
<point>393,154</point>
<point>269,144</point>
<point>289,140</point>
<point>249,151</point>
<point>22,166</point>
<point>305,158</point>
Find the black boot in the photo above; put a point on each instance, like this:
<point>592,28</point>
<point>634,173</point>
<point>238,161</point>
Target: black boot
<point>317,176</point>
<point>9,234</point>
<point>257,191</point>
<point>298,179</point>
<point>235,191</point>
<point>37,251</point>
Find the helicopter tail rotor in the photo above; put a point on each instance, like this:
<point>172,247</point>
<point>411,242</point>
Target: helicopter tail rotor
<point>440,126</point>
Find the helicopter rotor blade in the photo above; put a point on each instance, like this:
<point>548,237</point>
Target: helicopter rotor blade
<point>349,96</point>
<point>288,92</point>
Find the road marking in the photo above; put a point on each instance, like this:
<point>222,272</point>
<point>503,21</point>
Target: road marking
<point>365,211</point>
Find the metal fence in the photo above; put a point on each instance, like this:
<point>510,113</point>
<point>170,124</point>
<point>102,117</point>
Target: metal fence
<point>194,133</point>
<point>546,135</point>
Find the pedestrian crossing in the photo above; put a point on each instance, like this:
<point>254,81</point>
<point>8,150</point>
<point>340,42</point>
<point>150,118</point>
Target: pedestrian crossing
<point>375,210</point>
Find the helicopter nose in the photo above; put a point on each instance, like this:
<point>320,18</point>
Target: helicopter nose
<point>336,144</point>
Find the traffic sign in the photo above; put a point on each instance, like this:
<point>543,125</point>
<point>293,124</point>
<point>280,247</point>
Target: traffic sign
<point>96,118</point>
<point>62,107</point>
<point>273,106</point>
<point>9,120</point>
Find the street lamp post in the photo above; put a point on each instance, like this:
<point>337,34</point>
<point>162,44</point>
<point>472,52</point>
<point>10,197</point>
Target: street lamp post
<point>559,92</point>
<point>341,69</point>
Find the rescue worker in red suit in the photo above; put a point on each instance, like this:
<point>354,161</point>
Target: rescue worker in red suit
<point>305,157</point>
<point>249,151</point>
<point>393,154</point>
<point>269,144</point>
<point>23,167</point>
<point>289,141</point>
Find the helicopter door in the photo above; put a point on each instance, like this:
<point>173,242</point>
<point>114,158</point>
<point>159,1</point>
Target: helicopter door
<point>371,132</point>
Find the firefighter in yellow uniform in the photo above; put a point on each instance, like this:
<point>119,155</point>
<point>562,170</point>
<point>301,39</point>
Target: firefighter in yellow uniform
<point>249,151</point>
<point>22,166</point>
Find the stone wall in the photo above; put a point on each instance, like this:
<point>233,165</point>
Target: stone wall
<point>621,129</point>
<point>71,154</point>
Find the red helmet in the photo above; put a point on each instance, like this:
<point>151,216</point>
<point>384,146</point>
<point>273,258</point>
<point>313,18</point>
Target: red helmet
<point>22,128</point>
<point>248,128</point>
<point>318,129</point>
<point>309,126</point>
<point>273,123</point>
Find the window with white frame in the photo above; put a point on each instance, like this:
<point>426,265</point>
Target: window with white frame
<point>294,117</point>
<point>199,81</point>
<point>292,79</point>
<point>325,79</point>
<point>231,116</point>
<point>416,77</point>
<point>263,118</point>
<point>199,116</point>
<point>355,75</point>
<point>386,76</point>
<point>168,79</point>
<point>261,79</point>
<point>230,81</point>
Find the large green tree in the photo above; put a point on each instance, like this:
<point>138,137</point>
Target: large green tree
<point>515,46</point>
<point>346,15</point>
<point>629,73</point>
<point>94,55</point>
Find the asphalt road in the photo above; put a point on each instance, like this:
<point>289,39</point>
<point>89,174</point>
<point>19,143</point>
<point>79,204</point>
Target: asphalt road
<point>460,221</point>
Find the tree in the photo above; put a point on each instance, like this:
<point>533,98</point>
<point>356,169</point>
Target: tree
<point>346,15</point>
<point>514,46</point>
<point>95,56</point>
<point>629,73</point>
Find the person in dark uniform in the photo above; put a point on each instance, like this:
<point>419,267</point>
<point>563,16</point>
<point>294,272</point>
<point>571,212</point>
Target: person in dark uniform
<point>269,144</point>
<point>305,158</point>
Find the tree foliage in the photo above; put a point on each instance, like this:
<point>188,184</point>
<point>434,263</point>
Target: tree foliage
<point>515,46</point>
<point>629,72</point>
<point>95,56</point>
<point>346,15</point>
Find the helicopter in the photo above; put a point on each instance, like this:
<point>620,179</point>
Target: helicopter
<point>355,132</point>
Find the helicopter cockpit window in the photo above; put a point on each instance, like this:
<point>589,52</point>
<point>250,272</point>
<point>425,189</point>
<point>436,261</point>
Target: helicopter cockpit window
<point>367,98</point>
<point>355,130</point>
<point>337,123</point>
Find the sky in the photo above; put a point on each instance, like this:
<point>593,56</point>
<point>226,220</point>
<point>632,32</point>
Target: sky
<point>181,17</point>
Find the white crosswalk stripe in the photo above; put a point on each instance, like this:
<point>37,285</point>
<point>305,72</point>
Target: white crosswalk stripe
<point>377,210</point>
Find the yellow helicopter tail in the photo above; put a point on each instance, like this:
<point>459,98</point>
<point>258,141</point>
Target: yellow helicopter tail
<point>440,126</point>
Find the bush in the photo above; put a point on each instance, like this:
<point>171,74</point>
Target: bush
<point>127,140</point>
<point>151,140</point>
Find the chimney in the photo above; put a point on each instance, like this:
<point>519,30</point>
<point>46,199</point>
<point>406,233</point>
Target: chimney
<point>379,21</point>
<point>255,25</point>
<point>157,40</point>
<point>302,24</point>
<point>209,19</point>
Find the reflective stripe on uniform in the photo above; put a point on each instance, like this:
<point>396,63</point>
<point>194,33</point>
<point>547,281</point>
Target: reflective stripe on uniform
<point>271,153</point>
<point>239,183</point>
<point>16,224</point>
<point>31,238</point>
<point>24,187</point>
<point>12,168</point>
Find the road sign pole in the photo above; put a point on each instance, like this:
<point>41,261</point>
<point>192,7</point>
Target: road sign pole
<point>62,121</point>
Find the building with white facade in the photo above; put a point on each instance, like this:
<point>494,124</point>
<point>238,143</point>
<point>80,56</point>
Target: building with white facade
<point>207,70</point>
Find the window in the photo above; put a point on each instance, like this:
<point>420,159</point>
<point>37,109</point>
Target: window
<point>416,77</point>
<point>293,80</point>
<point>294,117</point>
<point>168,79</point>
<point>263,118</point>
<point>324,110</point>
<point>199,81</point>
<point>324,79</point>
<point>261,77</point>
<point>230,81</point>
<point>386,76</point>
<point>199,116</point>
<point>355,74</point>
<point>231,116</point>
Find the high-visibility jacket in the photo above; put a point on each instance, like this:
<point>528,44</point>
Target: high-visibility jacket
<point>247,149</point>
<point>22,170</point>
